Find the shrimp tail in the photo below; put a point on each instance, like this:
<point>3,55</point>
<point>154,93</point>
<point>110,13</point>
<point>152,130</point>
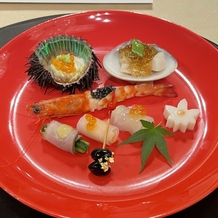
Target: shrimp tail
<point>162,90</point>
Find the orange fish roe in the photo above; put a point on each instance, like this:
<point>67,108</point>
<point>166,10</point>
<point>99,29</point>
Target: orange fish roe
<point>67,67</point>
<point>137,111</point>
<point>91,122</point>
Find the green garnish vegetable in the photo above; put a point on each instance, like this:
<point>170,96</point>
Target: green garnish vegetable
<point>137,47</point>
<point>64,57</point>
<point>151,136</point>
<point>81,146</point>
<point>44,126</point>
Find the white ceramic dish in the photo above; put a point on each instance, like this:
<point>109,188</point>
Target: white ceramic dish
<point>112,65</point>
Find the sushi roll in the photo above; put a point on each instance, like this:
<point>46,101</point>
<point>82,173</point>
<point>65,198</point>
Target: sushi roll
<point>64,137</point>
<point>65,63</point>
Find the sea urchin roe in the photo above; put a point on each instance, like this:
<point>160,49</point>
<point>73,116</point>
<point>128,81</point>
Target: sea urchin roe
<point>67,68</point>
<point>139,66</point>
<point>64,62</point>
<point>91,122</point>
<point>137,111</point>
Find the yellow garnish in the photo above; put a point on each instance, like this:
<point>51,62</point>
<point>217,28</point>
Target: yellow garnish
<point>63,131</point>
<point>105,166</point>
<point>64,62</point>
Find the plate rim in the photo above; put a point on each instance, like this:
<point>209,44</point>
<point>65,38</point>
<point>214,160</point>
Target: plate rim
<point>50,21</point>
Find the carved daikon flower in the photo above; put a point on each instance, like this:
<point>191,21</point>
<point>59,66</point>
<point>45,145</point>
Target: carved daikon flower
<point>180,118</point>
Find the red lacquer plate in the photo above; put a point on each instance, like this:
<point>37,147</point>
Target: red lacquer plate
<point>58,183</point>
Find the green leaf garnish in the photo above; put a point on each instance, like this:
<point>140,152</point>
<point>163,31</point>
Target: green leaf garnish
<point>137,47</point>
<point>147,148</point>
<point>64,57</point>
<point>44,126</point>
<point>136,137</point>
<point>152,136</point>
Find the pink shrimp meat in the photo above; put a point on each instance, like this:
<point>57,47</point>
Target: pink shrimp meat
<point>75,104</point>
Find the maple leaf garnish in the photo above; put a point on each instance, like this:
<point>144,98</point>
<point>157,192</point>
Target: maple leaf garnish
<point>152,136</point>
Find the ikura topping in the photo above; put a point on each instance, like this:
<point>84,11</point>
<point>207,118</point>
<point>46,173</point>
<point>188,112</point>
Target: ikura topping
<point>67,68</point>
<point>91,122</point>
<point>64,63</point>
<point>180,118</point>
<point>137,111</point>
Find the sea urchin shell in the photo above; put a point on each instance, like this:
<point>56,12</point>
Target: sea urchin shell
<point>42,71</point>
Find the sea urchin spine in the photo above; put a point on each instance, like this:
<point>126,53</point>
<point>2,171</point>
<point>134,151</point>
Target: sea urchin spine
<point>40,70</point>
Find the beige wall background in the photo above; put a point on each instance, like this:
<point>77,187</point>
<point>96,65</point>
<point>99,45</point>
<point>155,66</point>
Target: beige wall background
<point>200,16</point>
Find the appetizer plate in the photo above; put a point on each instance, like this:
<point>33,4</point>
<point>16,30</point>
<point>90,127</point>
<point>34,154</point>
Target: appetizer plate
<point>111,62</point>
<point>59,184</point>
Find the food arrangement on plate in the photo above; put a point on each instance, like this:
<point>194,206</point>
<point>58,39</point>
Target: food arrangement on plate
<point>68,64</point>
<point>136,61</point>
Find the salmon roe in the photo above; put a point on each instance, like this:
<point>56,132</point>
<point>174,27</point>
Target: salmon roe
<point>67,67</point>
<point>91,122</point>
<point>137,111</point>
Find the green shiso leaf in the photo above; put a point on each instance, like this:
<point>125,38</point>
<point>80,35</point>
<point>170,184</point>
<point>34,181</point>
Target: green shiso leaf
<point>137,47</point>
<point>151,136</point>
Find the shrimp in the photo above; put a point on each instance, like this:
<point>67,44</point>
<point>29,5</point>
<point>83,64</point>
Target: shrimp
<point>98,99</point>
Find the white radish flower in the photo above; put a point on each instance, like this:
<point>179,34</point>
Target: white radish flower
<point>180,118</point>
